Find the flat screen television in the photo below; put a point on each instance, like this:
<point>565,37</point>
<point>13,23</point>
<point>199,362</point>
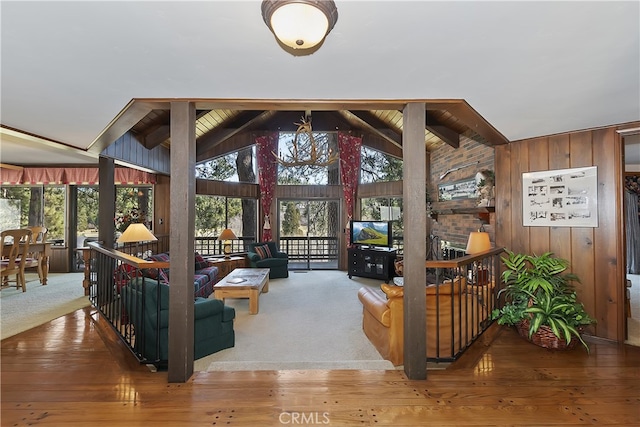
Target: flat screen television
<point>371,233</point>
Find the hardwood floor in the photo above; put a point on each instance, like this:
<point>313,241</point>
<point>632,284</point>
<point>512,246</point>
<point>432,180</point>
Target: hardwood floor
<point>73,371</point>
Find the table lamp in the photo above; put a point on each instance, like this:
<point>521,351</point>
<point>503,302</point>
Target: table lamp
<point>478,242</point>
<point>226,237</point>
<point>137,232</point>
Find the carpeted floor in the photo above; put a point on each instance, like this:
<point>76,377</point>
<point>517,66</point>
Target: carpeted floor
<point>20,311</point>
<point>312,320</point>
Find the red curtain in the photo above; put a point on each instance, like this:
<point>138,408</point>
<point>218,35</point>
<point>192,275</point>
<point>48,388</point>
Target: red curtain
<point>74,176</point>
<point>43,176</point>
<point>349,147</point>
<point>81,176</point>
<point>10,176</point>
<point>266,145</point>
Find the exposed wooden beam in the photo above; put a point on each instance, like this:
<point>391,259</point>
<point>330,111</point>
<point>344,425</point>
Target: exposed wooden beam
<point>12,167</point>
<point>371,123</point>
<point>376,142</point>
<point>470,118</point>
<point>244,121</point>
<point>228,145</point>
<point>155,136</point>
<point>447,135</point>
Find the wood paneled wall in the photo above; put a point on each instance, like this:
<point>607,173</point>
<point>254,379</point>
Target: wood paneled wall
<point>596,254</point>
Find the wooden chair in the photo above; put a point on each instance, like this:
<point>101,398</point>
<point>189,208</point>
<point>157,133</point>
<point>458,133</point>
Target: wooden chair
<point>34,259</point>
<point>15,245</point>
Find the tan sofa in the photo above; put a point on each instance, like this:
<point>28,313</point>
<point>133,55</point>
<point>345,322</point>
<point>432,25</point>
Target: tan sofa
<point>383,324</point>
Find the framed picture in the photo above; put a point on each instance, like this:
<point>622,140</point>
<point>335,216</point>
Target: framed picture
<point>464,189</point>
<point>560,198</point>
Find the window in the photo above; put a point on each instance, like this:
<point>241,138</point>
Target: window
<point>215,213</point>
<point>326,145</point>
<point>233,167</point>
<point>23,206</point>
<point>375,166</point>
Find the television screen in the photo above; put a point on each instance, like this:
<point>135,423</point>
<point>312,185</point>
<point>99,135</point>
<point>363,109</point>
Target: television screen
<point>371,233</point>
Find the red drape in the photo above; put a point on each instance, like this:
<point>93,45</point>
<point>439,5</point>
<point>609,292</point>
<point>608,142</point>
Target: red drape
<point>266,145</point>
<point>10,176</point>
<point>43,176</point>
<point>349,147</point>
<point>74,176</point>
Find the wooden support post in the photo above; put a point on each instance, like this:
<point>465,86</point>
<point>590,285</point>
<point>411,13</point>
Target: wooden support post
<point>415,251</point>
<point>182,213</point>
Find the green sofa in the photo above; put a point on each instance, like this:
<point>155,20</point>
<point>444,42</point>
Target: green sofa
<point>213,329</point>
<point>277,262</point>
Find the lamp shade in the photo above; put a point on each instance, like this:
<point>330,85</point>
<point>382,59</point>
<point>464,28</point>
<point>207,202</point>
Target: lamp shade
<point>137,232</point>
<point>478,242</point>
<point>300,25</point>
<point>227,234</point>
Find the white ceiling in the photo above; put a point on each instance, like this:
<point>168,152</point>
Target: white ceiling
<point>529,68</point>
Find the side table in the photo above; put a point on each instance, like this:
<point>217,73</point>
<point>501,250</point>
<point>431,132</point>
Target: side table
<point>227,265</point>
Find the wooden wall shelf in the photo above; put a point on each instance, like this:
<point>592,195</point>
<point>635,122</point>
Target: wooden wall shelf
<point>483,213</point>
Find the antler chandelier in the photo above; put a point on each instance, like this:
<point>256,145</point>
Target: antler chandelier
<point>304,150</point>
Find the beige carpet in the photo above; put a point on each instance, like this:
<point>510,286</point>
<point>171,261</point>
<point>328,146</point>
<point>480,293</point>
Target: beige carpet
<point>20,311</point>
<point>312,320</point>
<point>633,323</point>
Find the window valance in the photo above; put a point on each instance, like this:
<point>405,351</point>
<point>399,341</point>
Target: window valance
<point>72,176</point>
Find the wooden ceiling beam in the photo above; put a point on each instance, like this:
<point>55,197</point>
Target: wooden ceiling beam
<point>383,145</point>
<point>447,135</point>
<point>466,115</point>
<point>246,120</point>
<point>372,124</point>
<point>155,136</point>
<point>231,144</point>
<point>160,131</point>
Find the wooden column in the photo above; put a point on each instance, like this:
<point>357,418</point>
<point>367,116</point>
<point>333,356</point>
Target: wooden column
<point>182,213</point>
<point>415,237</point>
<point>106,200</point>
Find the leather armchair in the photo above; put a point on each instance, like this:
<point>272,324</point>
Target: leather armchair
<point>277,263</point>
<point>383,321</point>
<point>213,328</point>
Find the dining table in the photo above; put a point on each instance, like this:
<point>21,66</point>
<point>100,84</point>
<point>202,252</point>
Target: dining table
<point>44,251</point>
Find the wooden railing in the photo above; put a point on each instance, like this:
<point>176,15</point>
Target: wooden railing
<point>481,284</point>
<point>109,271</point>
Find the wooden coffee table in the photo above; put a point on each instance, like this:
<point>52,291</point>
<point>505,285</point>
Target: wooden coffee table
<point>243,283</point>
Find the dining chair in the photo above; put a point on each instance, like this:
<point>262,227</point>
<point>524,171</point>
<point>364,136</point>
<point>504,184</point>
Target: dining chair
<point>15,245</point>
<point>34,258</point>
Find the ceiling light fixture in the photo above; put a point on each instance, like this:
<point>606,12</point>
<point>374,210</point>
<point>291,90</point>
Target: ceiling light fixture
<point>300,26</point>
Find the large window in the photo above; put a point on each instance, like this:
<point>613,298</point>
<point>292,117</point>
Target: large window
<point>24,206</point>
<point>326,145</point>
<point>215,213</point>
<point>375,166</point>
<point>234,167</point>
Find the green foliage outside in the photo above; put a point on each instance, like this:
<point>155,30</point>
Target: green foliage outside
<point>379,167</point>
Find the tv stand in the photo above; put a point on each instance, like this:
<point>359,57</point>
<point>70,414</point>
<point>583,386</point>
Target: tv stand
<point>375,263</point>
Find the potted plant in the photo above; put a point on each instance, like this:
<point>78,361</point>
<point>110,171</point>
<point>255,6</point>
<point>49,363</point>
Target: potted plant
<point>541,302</point>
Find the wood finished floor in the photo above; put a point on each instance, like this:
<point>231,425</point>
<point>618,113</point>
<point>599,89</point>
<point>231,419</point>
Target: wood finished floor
<point>74,372</point>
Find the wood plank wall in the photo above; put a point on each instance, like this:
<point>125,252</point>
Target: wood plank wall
<point>596,254</point>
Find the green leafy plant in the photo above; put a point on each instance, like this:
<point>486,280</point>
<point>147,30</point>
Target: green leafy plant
<point>539,290</point>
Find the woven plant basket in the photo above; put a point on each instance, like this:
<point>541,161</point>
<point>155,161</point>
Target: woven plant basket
<point>545,337</point>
